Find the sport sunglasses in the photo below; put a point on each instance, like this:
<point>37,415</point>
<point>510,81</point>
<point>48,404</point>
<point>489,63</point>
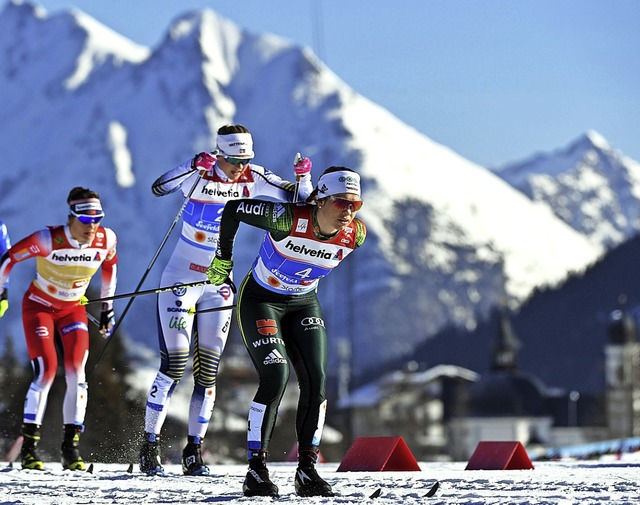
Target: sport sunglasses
<point>344,204</point>
<point>238,161</point>
<point>87,219</point>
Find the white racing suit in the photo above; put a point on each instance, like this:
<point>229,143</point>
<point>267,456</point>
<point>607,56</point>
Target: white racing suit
<point>188,263</point>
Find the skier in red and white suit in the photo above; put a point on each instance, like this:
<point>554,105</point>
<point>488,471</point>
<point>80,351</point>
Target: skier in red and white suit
<point>67,257</point>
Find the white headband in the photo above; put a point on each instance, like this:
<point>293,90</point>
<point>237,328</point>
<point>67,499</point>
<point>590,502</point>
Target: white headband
<point>88,207</point>
<point>335,183</point>
<point>236,145</point>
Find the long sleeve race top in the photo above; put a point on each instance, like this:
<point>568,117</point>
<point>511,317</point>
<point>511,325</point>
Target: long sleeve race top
<point>294,255</point>
<point>64,267</point>
<point>201,217</point>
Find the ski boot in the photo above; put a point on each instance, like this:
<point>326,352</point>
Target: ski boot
<point>71,459</point>
<point>307,481</point>
<point>192,463</point>
<point>150,455</point>
<point>257,482</point>
<point>31,460</point>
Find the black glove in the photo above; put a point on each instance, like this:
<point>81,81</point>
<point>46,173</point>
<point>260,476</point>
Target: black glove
<point>107,321</point>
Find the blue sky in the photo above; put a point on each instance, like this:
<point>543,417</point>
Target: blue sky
<point>494,80</point>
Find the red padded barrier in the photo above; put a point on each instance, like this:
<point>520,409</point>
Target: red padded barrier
<point>499,456</point>
<point>379,454</point>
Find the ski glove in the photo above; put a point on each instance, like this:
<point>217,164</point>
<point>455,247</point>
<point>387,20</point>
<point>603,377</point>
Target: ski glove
<point>302,167</point>
<point>219,271</point>
<point>203,161</point>
<point>107,321</point>
<point>4,303</point>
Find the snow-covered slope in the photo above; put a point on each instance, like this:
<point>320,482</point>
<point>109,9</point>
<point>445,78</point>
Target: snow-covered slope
<point>567,481</point>
<point>588,184</point>
<point>448,239</point>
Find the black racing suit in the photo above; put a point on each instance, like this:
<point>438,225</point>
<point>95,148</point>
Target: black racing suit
<point>278,312</point>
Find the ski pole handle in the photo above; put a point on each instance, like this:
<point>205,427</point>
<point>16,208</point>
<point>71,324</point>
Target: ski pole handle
<point>297,158</point>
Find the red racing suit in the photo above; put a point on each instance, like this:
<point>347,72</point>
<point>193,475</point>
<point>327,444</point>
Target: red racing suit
<point>51,311</point>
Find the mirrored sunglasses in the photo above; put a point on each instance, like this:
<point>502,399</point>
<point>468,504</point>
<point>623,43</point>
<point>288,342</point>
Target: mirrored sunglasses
<point>344,204</point>
<point>237,161</point>
<point>84,219</point>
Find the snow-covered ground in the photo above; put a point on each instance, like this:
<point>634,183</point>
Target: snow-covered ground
<point>564,482</point>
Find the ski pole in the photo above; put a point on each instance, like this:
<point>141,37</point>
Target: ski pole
<point>192,310</point>
<point>93,319</point>
<point>212,309</point>
<point>85,301</point>
<point>146,272</point>
<point>297,158</point>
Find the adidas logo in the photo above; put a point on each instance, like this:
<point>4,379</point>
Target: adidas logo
<point>274,357</point>
<point>303,477</point>
<point>256,476</point>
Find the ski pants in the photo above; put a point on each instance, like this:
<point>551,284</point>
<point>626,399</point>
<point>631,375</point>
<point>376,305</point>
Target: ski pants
<point>177,327</point>
<point>44,328</point>
<point>279,331</point>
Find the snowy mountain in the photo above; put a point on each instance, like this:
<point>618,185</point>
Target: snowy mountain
<point>588,184</point>
<point>81,105</point>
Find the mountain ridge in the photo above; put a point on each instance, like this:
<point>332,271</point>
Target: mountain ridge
<point>588,184</point>
<point>448,239</point>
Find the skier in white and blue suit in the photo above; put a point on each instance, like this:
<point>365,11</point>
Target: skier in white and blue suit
<point>225,175</point>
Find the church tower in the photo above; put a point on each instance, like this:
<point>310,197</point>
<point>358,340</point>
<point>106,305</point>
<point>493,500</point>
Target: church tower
<point>622,368</point>
<point>504,357</point>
